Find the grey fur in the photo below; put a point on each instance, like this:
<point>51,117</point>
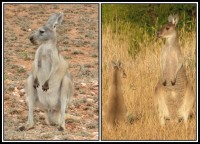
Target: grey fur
<point>50,84</point>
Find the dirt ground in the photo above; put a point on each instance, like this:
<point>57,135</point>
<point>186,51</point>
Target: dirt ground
<point>78,43</point>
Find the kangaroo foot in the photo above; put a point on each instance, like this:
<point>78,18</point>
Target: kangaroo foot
<point>25,128</point>
<point>21,128</point>
<point>60,128</point>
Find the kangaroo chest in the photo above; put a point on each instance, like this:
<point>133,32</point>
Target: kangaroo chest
<point>45,61</point>
<point>180,84</point>
<point>170,61</point>
<point>49,98</point>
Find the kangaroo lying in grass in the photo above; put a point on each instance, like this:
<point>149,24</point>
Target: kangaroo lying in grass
<point>50,84</point>
<point>174,95</point>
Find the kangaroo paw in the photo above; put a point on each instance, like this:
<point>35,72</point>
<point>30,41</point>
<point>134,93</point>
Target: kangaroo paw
<point>45,87</point>
<point>164,83</point>
<point>173,82</point>
<point>36,83</point>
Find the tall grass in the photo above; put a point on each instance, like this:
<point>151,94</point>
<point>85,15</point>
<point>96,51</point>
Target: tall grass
<point>139,51</point>
<point>149,15</point>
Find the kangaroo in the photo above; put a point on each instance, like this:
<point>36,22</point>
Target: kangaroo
<point>49,84</point>
<point>115,109</point>
<point>174,95</point>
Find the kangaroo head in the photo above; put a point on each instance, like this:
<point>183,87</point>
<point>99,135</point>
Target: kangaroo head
<point>117,66</point>
<point>169,29</point>
<point>48,31</point>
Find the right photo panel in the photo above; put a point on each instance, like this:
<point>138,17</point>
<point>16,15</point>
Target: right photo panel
<point>149,71</point>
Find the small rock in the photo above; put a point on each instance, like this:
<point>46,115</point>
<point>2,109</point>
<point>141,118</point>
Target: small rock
<point>41,113</point>
<point>29,30</point>
<point>57,138</point>
<point>21,101</point>
<point>6,97</point>
<point>85,108</point>
<point>16,90</point>
<point>90,101</point>
<point>16,94</point>
<point>22,92</point>
<point>77,88</point>
<point>72,106</point>
<point>11,88</point>
<point>95,134</point>
<point>92,93</point>
<point>95,84</point>
<point>96,117</point>
<point>83,84</point>
<point>9,74</point>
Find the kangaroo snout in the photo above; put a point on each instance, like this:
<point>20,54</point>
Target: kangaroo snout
<point>32,40</point>
<point>158,34</point>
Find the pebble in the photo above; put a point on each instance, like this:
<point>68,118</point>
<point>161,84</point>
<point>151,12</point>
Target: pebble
<point>21,101</point>
<point>90,101</point>
<point>83,84</point>
<point>22,92</point>
<point>16,94</point>
<point>93,93</point>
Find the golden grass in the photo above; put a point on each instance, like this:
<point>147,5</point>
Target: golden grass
<point>142,77</point>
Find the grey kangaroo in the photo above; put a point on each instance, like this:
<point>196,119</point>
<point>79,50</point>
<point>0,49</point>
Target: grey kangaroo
<point>115,109</point>
<point>50,84</point>
<point>174,95</point>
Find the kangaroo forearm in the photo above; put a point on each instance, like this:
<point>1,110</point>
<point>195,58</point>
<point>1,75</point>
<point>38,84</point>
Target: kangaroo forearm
<point>54,69</point>
<point>178,68</point>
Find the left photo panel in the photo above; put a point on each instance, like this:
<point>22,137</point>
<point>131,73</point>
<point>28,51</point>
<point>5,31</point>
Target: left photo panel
<point>51,72</point>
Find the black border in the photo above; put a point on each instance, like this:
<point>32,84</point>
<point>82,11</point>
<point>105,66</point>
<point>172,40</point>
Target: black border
<point>100,70</point>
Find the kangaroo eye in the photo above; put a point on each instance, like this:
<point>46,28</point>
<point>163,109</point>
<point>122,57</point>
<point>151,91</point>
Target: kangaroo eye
<point>41,31</point>
<point>55,26</point>
<point>167,28</point>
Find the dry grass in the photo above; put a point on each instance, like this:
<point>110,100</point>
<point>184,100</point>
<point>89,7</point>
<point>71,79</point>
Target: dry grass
<point>142,77</point>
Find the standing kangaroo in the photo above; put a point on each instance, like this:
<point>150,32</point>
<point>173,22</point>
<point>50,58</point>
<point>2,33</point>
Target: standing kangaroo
<point>174,95</point>
<point>50,83</point>
<point>115,108</point>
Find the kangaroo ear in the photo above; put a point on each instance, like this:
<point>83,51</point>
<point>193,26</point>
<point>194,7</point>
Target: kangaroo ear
<point>173,19</point>
<point>113,64</point>
<point>55,19</point>
<point>119,64</point>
